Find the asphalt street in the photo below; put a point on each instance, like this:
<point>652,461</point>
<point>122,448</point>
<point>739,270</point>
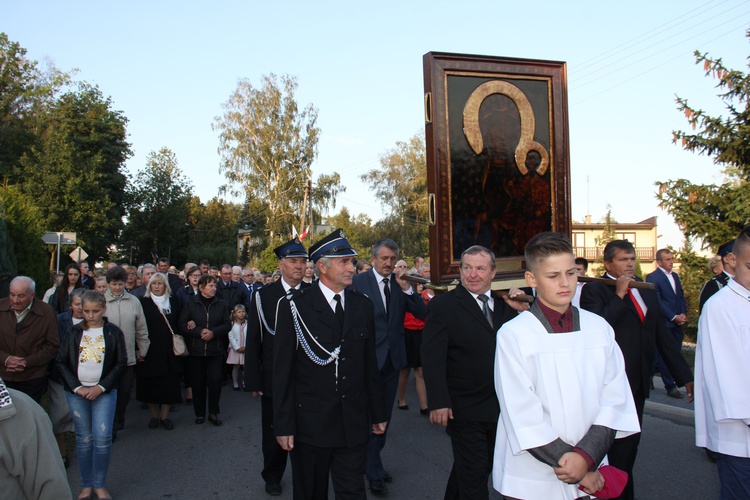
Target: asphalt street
<point>207,462</point>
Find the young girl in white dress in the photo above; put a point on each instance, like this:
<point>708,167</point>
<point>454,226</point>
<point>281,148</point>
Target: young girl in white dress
<point>237,337</point>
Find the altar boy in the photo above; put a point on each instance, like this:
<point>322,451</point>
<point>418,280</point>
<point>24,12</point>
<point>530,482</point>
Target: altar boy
<point>560,379</point>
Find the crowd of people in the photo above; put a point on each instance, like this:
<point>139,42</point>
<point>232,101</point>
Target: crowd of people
<point>542,388</point>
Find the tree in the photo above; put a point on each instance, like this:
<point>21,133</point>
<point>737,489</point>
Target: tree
<point>24,91</point>
<point>214,235</point>
<point>693,274</point>
<point>158,203</point>
<point>358,230</point>
<point>74,175</point>
<point>267,145</point>
<point>401,186</point>
<point>715,214</point>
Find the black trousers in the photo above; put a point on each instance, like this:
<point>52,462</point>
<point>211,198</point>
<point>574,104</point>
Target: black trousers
<point>473,451</point>
<point>205,376</point>
<point>124,387</point>
<point>311,466</point>
<point>274,456</point>
<point>33,388</point>
<point>623,451</point>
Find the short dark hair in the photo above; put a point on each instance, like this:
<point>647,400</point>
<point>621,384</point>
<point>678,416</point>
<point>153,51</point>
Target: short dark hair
<point>613,246</point>
<point>545,245</point>
<point>477,249</point>
<point>163,259</point>
<point>205,280</point>
<point>117,273</point>
<point>204,262</point>
<point>582,261</point>
<point>742,241</point>
<point>661,252</point>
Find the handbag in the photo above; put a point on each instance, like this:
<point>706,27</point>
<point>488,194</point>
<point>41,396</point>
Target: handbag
<point>179,348</point>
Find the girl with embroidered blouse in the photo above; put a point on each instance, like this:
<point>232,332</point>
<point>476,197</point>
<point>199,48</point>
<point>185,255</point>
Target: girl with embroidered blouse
<point>90,362</point>
<point>237,336</point>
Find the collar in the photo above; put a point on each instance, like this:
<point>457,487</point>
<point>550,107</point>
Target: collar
<point>287,286</point>
<point>329,294</point>
<point>668,273</point>
<point>739,289</point>
<point>488,293</point>
<point>379,277</point>
<point>561,322</point>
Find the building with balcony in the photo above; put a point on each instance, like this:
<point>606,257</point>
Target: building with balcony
<point>642,235</point>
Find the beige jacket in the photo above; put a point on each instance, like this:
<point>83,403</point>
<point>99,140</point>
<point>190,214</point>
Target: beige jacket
<point>126,312</point>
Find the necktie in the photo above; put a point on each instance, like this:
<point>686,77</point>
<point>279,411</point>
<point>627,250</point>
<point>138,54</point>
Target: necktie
<point>387,290</point>
<point>339,309</point>
<point>637,305</point>
<point>486,308</point>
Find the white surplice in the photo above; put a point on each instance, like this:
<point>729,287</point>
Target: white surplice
<point>722,372</point>
<point>554,385</point>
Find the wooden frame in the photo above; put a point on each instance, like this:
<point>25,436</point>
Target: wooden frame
<point>497,157</point>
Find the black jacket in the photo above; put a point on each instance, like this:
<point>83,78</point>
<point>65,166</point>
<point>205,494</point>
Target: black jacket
<point>232,294</point>
<point>213,315</point>
<point>115,357</point>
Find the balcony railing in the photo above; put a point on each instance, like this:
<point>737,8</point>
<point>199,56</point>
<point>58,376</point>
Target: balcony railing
<point>594,253</point>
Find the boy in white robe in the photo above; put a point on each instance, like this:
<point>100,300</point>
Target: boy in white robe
<point>560,379</point>
<point>722,372</point>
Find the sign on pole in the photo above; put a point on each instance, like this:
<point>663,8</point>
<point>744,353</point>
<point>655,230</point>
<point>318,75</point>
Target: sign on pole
<point>78,254</point>
<point>59,238</point>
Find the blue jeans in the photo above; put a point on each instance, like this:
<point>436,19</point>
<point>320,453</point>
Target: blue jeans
<point>93,422</point>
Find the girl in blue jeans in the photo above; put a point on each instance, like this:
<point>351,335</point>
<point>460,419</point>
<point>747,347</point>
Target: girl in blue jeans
<point>90,362</point>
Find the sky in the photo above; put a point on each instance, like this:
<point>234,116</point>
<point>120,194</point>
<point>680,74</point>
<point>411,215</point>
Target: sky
<point>169,66</point>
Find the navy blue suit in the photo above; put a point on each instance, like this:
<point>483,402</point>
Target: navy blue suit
<point>672,303</point>
<point>389,348</point>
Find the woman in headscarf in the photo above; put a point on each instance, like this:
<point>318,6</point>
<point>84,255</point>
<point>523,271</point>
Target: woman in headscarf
<point>71,280</point>
<point>158,377</point>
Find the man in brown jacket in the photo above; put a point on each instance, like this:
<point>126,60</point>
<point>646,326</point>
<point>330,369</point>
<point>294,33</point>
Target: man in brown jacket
<point>28,339</point>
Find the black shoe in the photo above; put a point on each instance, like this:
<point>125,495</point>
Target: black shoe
<point>66,462</point>
<point>214,419</point>
<point>153,423</point>
<point>404,407</point>
<point>200,420</point>
<point>273,489</point>
<point>674,392</point>
<point>236,388</point>
<point>167,424</point>
<point>424,412</point>
<point>387,477</point>
<point>651,383</point>
<point>378,487</point>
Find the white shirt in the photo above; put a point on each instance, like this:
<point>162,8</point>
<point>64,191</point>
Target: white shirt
<point>490,303</point>
<point>637,296</point>
<point>287,286</point>
<point>330,294</point>
<point>722,370</point>
<point>670,277</point>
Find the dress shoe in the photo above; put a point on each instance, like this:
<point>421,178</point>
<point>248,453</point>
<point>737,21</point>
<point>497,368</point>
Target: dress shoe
<point>674,392</point>
<point>167,424</point>
<point>378,487</point>
<point>66,462</point>
<point>404,407</point>
<point>425,412</point>
<point>273,489</point>
<point>387,478</point>
<point>651,383</point>
<point>214,419</point>
<point>153,423</point>
<point>199,420</point>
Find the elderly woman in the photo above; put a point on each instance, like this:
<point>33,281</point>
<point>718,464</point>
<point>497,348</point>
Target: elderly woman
<point>71,280</point>
<point>205,323</point>
<point>158,377</point>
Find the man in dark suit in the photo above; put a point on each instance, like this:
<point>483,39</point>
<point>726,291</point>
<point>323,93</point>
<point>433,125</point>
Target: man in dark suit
<point>261,328</point>
<point>391,297</point>
<point>673,310</point>
<point>229,291</point>
<point>458,355</point>
<point>175,283</point>
<point>722,279</point>
<point>146,273</point>
<point>639,330</point>
<point>326,383</point>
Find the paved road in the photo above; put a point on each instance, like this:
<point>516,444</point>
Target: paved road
<point>206,462</point>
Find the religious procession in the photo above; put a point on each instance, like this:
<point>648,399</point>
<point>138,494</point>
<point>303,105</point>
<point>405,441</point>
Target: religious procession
<point>512,360</point>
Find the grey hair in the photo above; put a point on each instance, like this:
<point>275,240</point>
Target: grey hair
<point>158,277</point>
<point>423,265</point>
<point>30,283</point>
<point>326,261</point>
<point>236,268</point>
<point>77,292</point>
<point>144,266</point>
<point>479,249</point>
<point>388,243</point>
